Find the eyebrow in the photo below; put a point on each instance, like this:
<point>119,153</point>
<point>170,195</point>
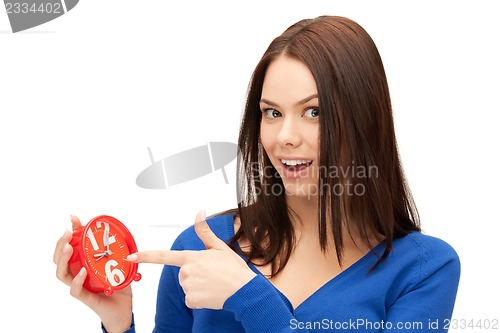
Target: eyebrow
<point>301,102</point>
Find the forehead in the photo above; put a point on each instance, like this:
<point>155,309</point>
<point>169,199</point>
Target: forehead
<point>288,80</point>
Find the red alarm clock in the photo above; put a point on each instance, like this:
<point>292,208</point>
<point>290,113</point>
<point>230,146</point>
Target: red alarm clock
<point>102,247</point>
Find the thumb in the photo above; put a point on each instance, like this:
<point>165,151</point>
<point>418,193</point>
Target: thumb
<point>206,234</point>
<point>75,222</point>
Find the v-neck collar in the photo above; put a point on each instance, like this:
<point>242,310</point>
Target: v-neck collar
<point>366,260</point>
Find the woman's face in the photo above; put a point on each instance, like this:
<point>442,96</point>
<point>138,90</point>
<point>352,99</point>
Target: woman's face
<point>290,124</point>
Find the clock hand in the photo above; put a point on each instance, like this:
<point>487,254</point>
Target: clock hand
<point>100,255</point>
<point>106,238</point>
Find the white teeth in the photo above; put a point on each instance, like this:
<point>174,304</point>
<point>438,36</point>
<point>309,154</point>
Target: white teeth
<point>295,162</point>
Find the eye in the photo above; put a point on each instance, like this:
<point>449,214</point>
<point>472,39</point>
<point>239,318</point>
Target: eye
<point>312,112</point>
<point>271,113</point>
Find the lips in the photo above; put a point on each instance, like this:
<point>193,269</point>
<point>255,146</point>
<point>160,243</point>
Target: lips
<point>295,168</point>
<point>296,164</point>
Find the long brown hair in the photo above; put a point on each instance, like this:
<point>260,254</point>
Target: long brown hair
<point>356,131</point>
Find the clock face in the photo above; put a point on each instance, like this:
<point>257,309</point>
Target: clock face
<point>105,251</point>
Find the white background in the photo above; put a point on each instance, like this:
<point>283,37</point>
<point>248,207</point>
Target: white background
<point>83,96</point>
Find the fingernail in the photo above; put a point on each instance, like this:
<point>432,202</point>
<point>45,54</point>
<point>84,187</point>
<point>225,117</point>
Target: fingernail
<point>132,257</point>
<point>66,248</point>
<point>201,216</point>
<point>66,233</point>
<point>82,272</point>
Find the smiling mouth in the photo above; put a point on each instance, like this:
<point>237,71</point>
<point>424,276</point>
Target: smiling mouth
<point>295,165</point>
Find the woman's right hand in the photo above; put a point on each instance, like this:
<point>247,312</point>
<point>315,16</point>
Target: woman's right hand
<point>115,311</point>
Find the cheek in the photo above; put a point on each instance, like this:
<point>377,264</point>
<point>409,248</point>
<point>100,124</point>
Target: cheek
<point>311,143</point>
<point>314,144</point>
<point>266,138</point>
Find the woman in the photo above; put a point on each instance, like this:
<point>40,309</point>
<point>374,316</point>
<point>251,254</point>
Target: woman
<point>326,236</point>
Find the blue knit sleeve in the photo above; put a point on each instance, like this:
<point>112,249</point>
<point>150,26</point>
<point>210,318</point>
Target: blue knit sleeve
<point>259,308</point>
<point>428,305</point>
<point>172,315</point>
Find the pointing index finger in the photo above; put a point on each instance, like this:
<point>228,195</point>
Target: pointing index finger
<point>168,257</point>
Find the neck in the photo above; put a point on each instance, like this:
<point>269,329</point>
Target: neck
<point>305,223</point>
<point>305,214</point>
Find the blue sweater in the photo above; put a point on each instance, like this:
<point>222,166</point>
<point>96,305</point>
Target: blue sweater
<point>413,290</point>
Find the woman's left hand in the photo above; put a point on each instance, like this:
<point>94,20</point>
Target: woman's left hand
<point>208,277</point>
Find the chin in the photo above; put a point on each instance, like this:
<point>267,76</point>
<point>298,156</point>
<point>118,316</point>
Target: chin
<point>300,189</point>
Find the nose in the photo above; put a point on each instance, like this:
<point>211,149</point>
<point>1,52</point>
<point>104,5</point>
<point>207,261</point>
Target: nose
<point>290,133</point>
